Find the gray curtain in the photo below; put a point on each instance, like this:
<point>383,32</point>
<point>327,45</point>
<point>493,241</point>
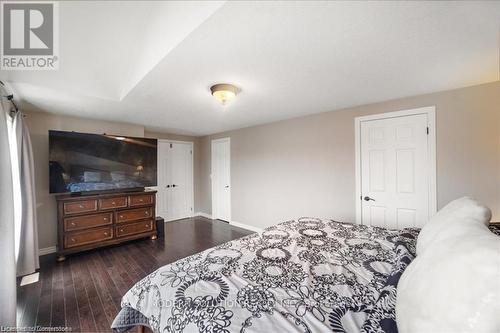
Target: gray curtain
<point>27,258</point>
<point>7,227</point>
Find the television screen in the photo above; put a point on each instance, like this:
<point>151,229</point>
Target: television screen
<point>80,162</point>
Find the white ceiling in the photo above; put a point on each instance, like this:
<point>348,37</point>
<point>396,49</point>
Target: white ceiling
<point>152,63</point>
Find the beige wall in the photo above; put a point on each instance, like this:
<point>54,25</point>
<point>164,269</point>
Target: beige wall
<point>39,124</point>
<point>305,166</point>
<point>169,136</point>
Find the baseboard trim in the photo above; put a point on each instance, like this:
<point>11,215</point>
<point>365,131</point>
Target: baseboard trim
<point>246,226</point>
<point>47,250</point>
<point>236,224</point>
<point>208,216</point>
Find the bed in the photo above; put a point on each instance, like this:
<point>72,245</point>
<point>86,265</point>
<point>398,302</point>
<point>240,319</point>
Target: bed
<point>304,275</point>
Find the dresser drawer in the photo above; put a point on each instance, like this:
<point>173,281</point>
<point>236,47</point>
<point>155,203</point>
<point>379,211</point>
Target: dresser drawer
<point>87,221</point>
<point>79,238</point>
<point>134,228</point>
<point>111,203</point>
<point>83,206</point>
<point>133,214</point>
<point>140,200</point>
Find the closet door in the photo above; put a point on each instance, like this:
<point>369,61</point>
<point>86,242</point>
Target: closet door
<point>181,177</point>
<point>175,179</point>
<point>162,197</point>
<point>221,179</point>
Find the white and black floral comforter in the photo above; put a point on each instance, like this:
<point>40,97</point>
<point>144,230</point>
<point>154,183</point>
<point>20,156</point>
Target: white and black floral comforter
<point>306,275</point>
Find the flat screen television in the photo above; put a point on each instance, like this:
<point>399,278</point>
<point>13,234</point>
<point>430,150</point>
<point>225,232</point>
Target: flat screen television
<point>81,162</point>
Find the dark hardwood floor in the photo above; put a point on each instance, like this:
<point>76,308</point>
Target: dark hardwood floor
<point>84,292</point>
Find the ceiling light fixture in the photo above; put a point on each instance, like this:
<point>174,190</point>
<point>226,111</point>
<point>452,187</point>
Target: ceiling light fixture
<point>223,92</point>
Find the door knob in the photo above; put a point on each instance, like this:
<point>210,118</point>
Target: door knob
<point>368,199</point>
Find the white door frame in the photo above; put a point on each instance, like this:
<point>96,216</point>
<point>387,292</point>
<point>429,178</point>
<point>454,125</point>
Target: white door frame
<point>430,111</point>
<point>191,173</point>
<point>228,139</point>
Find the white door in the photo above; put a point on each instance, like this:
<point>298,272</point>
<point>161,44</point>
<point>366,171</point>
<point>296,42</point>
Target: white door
<point>395,170</point>
<point>162,197</point>
<point>221,179</point>
<point>181,178</point>
<point>175,179</point>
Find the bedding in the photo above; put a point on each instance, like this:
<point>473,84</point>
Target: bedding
<point>453,285</point>
<point>495,228</point>
<point>464,211</point>
<point>305,275</point>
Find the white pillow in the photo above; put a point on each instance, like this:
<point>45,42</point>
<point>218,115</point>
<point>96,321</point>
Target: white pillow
<point>442,225</point>
<point>453,285</point>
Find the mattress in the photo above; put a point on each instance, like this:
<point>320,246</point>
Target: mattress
<point>304,275</point>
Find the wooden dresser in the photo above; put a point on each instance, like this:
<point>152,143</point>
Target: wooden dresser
<point>88,222</point>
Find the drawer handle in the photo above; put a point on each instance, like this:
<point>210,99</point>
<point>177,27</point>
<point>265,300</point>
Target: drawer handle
<point>73,224</point>
<point>146,213</point>
<point>105,219</point>
<point>113,203</point>
<point>141,200</point>
<point>147,225</point>
<point>121,216</point>
<point>81,206</point>
<point>121,230</point>
<point>73,240</point>
<point>105,234</point>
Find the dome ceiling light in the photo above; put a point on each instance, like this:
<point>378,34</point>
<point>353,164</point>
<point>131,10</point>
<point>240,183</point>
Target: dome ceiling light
<point>223,92</point>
